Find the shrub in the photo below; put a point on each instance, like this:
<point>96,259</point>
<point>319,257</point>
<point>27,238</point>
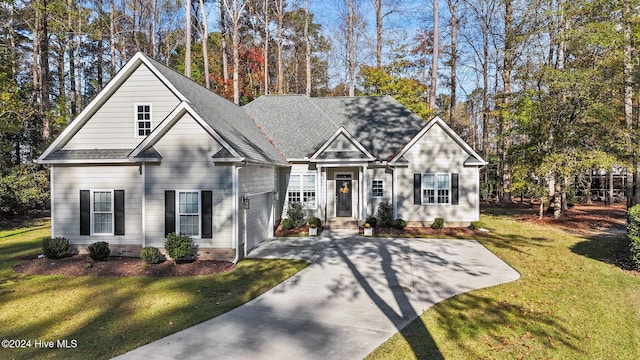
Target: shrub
<point>372,221</point>
<point>314,221</point>
<point>178,246</point>
<point>633,233</point>
<point>385,214</point>
<point>286,224</point>
<point>151,255</point>
<point>99,251</point>
<point>55,248</point>
<point>438,223</point>
<point>399,224</point>
<point>24,189</point>
<point>295,213</point>
<point>476,225</point>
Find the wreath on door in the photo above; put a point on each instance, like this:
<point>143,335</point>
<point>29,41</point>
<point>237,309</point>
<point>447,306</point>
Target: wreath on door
<point>345,188</point>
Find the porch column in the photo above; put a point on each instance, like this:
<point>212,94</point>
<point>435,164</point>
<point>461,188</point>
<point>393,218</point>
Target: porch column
<point>320,194</point>
<point>365,191</point>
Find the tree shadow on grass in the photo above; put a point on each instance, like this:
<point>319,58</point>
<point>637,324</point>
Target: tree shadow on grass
<point>609,248</point>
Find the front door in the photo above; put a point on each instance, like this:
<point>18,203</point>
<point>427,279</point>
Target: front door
<point>343,197</point>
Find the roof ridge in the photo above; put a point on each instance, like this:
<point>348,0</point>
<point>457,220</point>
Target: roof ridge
<point>322,112</point>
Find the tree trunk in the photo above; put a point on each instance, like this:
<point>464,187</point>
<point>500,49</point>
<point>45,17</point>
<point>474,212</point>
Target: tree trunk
<point>351,55</point>
<point>99,46</point>
<point>205,51</point>
<point>265,40</point>
<point>43,64</point>
<point>611,187</point>
<point>453,9</point>
<point>223,44</point>
<point>279,45</point>
<point>588,186</point>
<point>307,53</point>
<point>557,200</point>
<point>434,57</point>
<point>377,5</point>
<point>73,96</point>
<point>112,37</point>
<point>505,121</point>
<point>187,39</point>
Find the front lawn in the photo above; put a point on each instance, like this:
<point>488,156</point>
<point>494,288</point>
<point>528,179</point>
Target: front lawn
<point>571,302</point>
<point>101,317</point>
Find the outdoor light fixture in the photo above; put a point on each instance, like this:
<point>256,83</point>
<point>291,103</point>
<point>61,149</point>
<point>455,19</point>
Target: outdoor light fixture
<point>245,202</point>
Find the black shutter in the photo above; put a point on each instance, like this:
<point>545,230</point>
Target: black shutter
<point>85,212</point>
<point>118,207</point>
<point>169,212</point>
<point>207,214</point>
<point>454,189</point>
<point>417,189</point>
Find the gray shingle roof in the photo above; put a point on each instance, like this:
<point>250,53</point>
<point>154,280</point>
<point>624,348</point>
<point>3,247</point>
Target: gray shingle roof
<point>299,125</point>
<point>227,119</point>
<point>91,154</point>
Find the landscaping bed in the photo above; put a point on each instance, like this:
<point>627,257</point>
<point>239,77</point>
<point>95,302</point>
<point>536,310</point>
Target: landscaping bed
<point>83,265</point>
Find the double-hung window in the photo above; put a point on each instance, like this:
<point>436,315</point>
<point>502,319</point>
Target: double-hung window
<point>143,119</point>
<point>436,189</point>
<point>102,212</point>
<point>302,189</point>
<point>188,214</point>
<point>377,188</point>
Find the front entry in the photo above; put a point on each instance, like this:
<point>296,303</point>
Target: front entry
<point>344,197</point>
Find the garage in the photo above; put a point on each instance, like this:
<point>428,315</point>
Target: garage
<point>258,219</point>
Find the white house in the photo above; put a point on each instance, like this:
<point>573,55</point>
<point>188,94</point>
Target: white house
<point>156,153</point>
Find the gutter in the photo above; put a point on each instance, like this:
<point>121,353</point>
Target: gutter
<point>236,199</point>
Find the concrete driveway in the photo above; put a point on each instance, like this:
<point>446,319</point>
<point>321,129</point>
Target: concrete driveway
<point>356,294</point>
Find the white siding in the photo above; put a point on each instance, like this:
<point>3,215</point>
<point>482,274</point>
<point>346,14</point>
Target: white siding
<point>437,152</point>
<point>112,126</point>
<point>69,180</point>
<point>256,183</point>
<point>372,203</point>
<point>187,165</point>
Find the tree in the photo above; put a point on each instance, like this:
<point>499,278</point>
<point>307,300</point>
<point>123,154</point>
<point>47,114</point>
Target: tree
<point>434,57</point>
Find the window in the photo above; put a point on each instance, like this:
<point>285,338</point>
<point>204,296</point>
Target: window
<point>102,212</point>
<point>302,189</point>
<point>189,213</point>
<point>143,120</point>
<point>435,188</point>
<point>377,188</point>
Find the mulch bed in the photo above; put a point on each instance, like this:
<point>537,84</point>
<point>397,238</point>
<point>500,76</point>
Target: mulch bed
<point>83,265</point>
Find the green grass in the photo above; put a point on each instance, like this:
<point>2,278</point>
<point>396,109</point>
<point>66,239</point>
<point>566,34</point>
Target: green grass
<point>109,316</point>
<point>570,303</point>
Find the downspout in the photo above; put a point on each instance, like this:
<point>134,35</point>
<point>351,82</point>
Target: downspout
<point>143,171</point>
<point>235,189</point>
<point>394,192</point>
<point>51,201</point>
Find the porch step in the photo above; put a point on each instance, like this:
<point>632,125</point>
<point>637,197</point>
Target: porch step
<point>342,223</point>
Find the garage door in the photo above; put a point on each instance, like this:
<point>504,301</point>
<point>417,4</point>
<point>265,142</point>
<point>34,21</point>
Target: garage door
<point>258,218</point>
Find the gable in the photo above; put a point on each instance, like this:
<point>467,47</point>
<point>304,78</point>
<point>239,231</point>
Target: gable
<point>341,146</point>
<point>112,125</point>
<point>186,141</point>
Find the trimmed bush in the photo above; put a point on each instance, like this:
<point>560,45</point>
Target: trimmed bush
<point>372,221</point>
<point>438,223</point>
<point>399,224</point>
<point>633,233</point>
<point>385,214</point>
<point>99,251</point>
<point>286,224</point>
<point>178,246</point>
<point>476,225</point>
<point>314,221</point>
<point>295,214</point>
<point>55,248</point>
<point>151,255</point>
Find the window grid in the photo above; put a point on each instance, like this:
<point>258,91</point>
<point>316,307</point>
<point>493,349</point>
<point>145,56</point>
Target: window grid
<point>302,189</point>
<point>436,188</point>
<point>377,188</point>
<point>189,213</point>
<point>102,211</point>
<point>143,120</point>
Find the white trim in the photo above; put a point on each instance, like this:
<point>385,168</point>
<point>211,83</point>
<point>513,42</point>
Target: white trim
<point>394,192</point>
<point>136,121</point>
<point>177,201</point>
<point>143,170</point>
<point>435,195</point>
<point>383,189</point>
<point>166,124</point>
<point>351,139</point>
<point>449,131</point>
<point>301,174</point>
<point>52,202</point>
<point>112,86</point>
<point>91,212</point>
<point>353,198</point>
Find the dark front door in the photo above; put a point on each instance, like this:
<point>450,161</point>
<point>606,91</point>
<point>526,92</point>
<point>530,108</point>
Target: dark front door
<point>343,199</point>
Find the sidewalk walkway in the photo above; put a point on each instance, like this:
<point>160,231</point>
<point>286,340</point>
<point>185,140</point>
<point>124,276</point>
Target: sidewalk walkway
<point>356,294</point>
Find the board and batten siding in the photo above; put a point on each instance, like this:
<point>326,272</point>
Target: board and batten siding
<point>112,126</point>
<point>69,180</point>
<point>187,165</point>
<point>437,152</point>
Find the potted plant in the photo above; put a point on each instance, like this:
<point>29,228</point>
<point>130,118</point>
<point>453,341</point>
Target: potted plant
<point>368,230</point>
<point>313,230</point>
